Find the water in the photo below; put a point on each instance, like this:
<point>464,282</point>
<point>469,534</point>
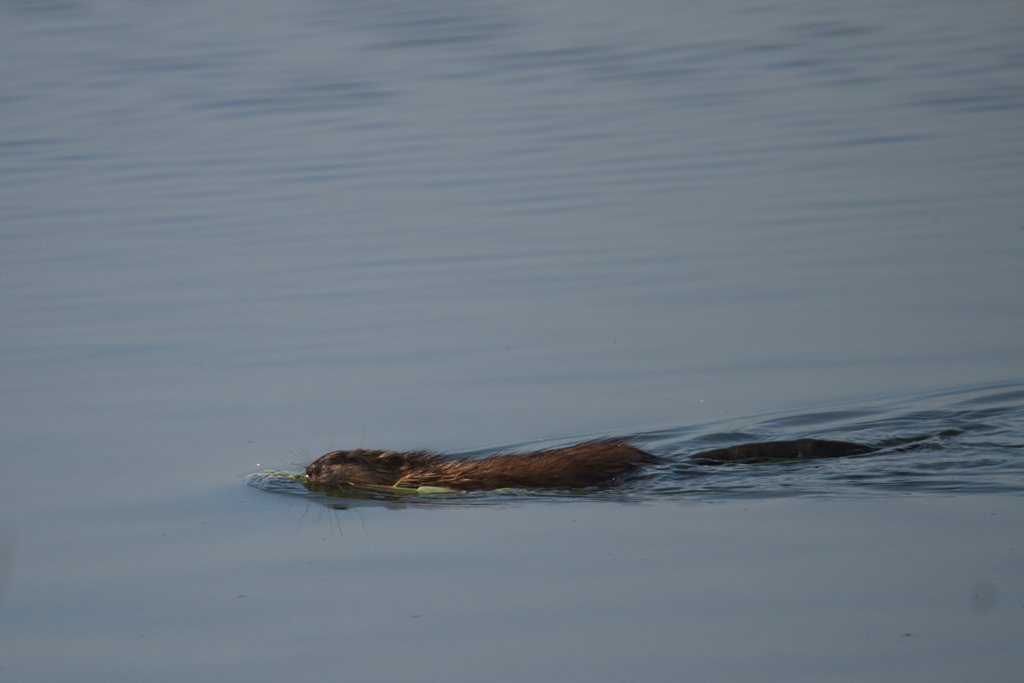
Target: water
<point>236,235</point>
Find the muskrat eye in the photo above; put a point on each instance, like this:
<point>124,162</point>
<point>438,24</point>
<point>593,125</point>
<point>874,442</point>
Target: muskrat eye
<point>345,458</point>
<point>333,458</point>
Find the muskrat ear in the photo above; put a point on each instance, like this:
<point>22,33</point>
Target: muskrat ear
<point>337,458</point>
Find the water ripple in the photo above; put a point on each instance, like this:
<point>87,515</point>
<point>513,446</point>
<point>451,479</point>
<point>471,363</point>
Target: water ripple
<point>954,443</point>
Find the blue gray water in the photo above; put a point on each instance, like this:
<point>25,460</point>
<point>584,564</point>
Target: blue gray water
<point>235,235</point>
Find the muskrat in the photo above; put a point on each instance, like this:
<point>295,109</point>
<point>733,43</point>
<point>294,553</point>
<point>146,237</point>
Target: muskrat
<point>587,464</point>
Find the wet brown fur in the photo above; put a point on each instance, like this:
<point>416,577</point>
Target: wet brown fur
<point>586,464</point>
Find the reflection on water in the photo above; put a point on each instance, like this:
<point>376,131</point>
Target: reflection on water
<point>6,557</point>
<point>233,230</point>
<point>479,223</point>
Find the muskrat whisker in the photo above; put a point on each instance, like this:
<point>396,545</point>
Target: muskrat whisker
<point>303,458</point>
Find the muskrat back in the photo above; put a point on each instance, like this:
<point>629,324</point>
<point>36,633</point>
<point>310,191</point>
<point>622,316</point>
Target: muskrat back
<point>579,466</point>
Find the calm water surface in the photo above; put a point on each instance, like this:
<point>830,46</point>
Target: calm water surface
<point>237,235</point>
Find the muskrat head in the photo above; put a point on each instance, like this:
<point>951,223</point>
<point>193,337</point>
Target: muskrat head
<point>340,468</point>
